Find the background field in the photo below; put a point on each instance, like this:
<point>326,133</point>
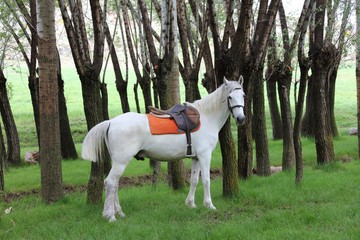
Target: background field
<point>324,206</point>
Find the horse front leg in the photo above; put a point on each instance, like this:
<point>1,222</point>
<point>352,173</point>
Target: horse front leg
<point>194,179</point>
<point>205,177</point>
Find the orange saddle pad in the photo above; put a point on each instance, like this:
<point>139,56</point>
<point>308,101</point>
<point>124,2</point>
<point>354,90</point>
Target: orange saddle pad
<point>159,126</point>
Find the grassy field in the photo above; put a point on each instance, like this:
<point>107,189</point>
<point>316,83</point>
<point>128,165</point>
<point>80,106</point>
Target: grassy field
<point>324,206</point>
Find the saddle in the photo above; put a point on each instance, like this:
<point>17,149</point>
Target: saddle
<point>187,118</point>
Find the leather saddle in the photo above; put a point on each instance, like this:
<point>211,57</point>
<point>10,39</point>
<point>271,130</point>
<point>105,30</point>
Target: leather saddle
<point>187,118</point>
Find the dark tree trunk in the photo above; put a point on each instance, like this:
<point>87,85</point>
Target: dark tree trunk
<point>307,126</point>
<point>273,106</point>
<point>304,64</point>
<point>259,126</point>
<point>68,150</point>
<point>323,135</point>
<point>323,55</point>
<point>271,79</point>
<point>245,136</point>
<point>304,69</point>
<point>2,160</point>
<point>229,168</point>
<point>331,99</point>
<point>94,115</point>
<point>13,144</point>
<point>284,81</point>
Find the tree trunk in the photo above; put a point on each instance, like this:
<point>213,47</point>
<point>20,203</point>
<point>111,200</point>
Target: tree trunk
<point>271,79</point>
<point>304,69</point>
<point>323,55</point>
<point>50,149</point>
<point>273,107</point>
<point>2,160</point>
<point>331,99</point>
<point>229,168</point>
<point>13,144</point>
<point>284,82</point>
<point>68,150</point>
<point>259,126</point>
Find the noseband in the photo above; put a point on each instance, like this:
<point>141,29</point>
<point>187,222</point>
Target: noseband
<point>235,106</point>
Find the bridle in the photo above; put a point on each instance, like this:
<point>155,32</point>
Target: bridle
<point>235,106</point>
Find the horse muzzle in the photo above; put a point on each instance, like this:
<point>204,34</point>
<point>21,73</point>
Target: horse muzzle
<point>240,120</point>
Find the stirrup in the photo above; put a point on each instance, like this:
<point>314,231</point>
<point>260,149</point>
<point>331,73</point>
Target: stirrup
<point>189,153</point>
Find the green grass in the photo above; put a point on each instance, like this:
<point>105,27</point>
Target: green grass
<point>324,206</point>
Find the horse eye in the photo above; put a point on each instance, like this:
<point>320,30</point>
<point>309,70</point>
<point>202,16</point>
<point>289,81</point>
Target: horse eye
<point>229,97</point>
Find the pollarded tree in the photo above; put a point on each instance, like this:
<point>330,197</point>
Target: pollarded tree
<point>282,72</point>
<point>336,26</point>
<point>50,149</point>
<point>249,55</point>
<point>321,61</point>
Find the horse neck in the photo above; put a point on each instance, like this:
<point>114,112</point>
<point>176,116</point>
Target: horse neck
<point>215,107</point>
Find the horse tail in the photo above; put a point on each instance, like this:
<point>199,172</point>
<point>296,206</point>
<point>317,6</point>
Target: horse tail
<point>95,142</point>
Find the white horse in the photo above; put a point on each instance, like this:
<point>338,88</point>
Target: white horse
<point>129,135</point>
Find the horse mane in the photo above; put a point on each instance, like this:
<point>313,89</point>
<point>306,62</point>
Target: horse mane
<point>210,102</point>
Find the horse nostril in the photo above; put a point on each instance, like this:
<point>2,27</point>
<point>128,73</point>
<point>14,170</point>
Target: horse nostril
<point>240,120</point>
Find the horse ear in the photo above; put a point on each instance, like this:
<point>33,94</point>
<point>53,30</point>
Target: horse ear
<point>241,80</point>
<point>225,81</point>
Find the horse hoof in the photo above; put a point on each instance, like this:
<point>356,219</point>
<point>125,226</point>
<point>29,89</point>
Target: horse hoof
<point>190,204</point>
<point>210,206</point>
<point>121,214</point>
<point>109,216</point>
<point>112,219</point>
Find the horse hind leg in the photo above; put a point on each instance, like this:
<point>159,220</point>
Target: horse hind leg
<point>112,205</point>
<point>194,179</point>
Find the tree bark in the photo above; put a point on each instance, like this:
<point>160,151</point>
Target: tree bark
<point>271,79</point>
<point>321,62</point>
<point>304,64</point>
<point>50,149</point>
<point>259,125</point>
<point>13,143</point>
<point>2,160</point>
<point>68,150</point>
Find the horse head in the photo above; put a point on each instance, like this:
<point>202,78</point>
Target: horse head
<point>236,99</point>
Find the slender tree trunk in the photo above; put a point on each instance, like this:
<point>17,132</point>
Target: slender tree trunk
<point>2,160</point>
<point>304,64</point>
<point>13,144</point>
<point>331,99</point>
<point>50,149</point>
<point>68,150</point>
<point>271,79</point>
<point>304,69</point>
<point>259,126</point>
<point>284,82</point>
